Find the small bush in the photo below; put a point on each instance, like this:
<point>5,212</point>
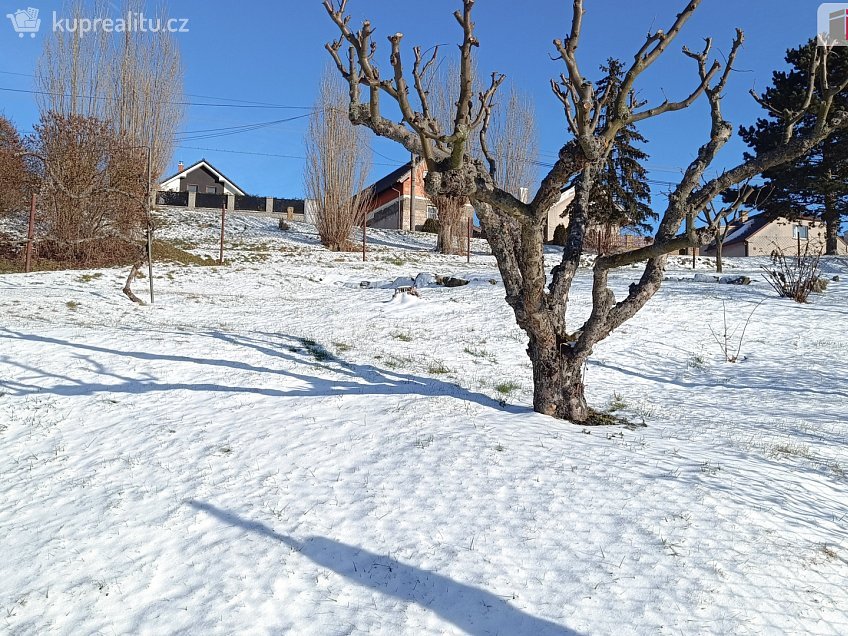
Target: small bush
<point>431,226</point>
<point>795,277</point>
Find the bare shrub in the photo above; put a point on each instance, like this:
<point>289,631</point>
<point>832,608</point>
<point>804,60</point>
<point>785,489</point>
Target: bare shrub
<point>337,164</point>
<point>93,186</point>
<point>795,277</point>
<point>725,338</point>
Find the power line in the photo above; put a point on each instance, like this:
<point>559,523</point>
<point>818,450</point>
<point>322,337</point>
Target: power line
<point>207,104</point>
<point>213,133</point>
<point>259,154</point>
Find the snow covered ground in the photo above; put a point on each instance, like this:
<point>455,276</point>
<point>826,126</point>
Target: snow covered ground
<point>271,448</point>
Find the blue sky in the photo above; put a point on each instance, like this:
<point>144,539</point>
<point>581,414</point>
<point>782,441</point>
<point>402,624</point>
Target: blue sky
<point>273,53</point>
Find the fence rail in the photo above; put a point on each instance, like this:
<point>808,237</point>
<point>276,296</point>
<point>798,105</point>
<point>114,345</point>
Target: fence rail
<point>176,199</point>
<point>251,204</point>
<point>235,203</point>
<point>216,201</point>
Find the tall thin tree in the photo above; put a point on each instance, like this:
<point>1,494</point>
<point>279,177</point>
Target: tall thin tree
<point>338,160</point>
<point>130,80</point>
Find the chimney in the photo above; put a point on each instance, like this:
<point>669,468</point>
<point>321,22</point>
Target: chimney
<point>743,216</point>
<point>180,167</point>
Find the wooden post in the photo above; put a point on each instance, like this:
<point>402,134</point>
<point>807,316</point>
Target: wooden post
<point>221,252</point>
<point>30,236</point>
<point>150,259</point>
<point>149,223</point>
<point>799,248</point>
<point>290,213</point>
<point>364,238</point>
<point>412,197</point>
<point>694,263</point>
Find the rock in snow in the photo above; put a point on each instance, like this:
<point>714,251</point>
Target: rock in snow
<point>403,281</point>
<point>425,279</point>
<point>705,278</point>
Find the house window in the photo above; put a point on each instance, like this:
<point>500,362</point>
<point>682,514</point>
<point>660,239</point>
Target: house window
<point>192,188</point>
<point>432,212</point>
<point>800,232</point>
<point>211,189</point>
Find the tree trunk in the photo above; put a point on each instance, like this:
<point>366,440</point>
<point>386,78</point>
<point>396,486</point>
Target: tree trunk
<point>831,220</point>
<point>558,388</point>
<point>445,238</point>
<point>719,247</point>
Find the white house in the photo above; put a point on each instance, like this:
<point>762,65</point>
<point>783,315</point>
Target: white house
<point>557,215</point>
<point>201,177</point>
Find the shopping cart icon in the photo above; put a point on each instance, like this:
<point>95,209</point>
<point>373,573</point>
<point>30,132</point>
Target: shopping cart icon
<point>25,21</point>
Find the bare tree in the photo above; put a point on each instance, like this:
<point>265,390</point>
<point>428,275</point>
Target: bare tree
<point>337,165</point>
<point>724,220</point>
<point>558,354</point>
<point>515,143</point>
<point>132,80</point>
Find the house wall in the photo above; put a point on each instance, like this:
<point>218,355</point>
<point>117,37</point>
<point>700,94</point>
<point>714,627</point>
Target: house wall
<point>201,178</point>
<point>737,249</point>
<point>397,199</point>
<point>779,235</point>
<point>386,218</point>
<point>421,200</point>
<point>555,214</point>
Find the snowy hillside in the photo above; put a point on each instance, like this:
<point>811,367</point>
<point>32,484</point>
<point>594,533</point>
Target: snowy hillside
<point>276,447</point>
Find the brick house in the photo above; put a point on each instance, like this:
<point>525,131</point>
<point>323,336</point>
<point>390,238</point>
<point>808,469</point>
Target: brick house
<point>392,197</point>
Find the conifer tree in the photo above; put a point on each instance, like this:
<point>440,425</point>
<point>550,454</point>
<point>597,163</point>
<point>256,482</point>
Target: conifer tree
<point>816,183</point>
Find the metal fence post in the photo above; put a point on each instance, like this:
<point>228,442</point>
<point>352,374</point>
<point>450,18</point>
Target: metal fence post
<point>30,236</point>
<point>221,252</point>
<point>468,239</point>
